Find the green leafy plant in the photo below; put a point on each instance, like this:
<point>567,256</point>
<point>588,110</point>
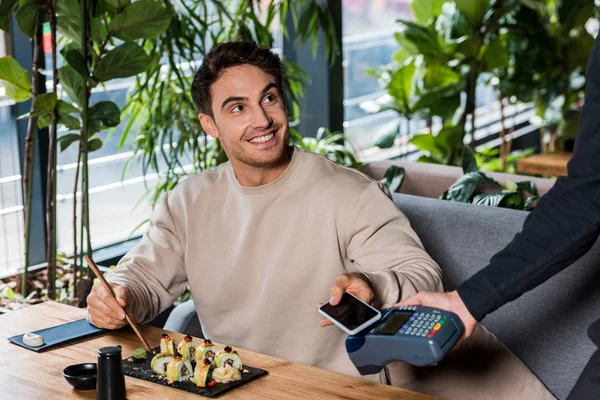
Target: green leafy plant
<point>531,50</point>
<point>519,196</point>
<point>103,40</point>
<point>549,47</point>
<point>489,159</point>
<point>332,145</point>
<point>393,178</point>
<point>443,54</point>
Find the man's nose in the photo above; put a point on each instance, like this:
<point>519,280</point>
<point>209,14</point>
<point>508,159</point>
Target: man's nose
<point>261,119</point>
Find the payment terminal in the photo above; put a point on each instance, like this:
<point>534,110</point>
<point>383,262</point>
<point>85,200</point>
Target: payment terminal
<point>417,335</point>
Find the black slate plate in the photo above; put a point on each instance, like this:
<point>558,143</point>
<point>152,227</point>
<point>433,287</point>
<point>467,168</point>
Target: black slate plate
<point>143,371</point>
<point>61,334</point>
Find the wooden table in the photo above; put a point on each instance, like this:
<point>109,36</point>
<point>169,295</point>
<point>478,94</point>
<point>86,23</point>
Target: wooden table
<point>25,374</point>
<point>552,164</point>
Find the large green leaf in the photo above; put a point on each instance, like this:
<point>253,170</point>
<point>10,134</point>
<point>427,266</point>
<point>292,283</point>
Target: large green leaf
<point>450,138</point>
<point>408,48</point>
<point>442,102</point>
<point>426,142</point>
<point>490,199</point>
<point>388,134</point>
<point>393,178</point>
<point>495,55</point>
<point>66,140</point>
<point>69,27</point>
<point>7,7</point>
<point>97,30</point>
<point>383,103</point>
<point>94,144</point>
<point>28,18</point>
<point>66,108</point>
<point>426,10</point>
<point>468,46</point>
<point>73,84</point>
<point>15,79</point>
<point>401,85</point>
<point>141,20</point>
<point>465,186</point>
<point>68,19</point>
<point>468,162</point>
<point>513,200</point>
<point>44,120</point>
<point>526,187</point>
<point>505,199</point>
<point>118,3</point>
<point>574,13</point>
<point>126,60</point>
<point>473,10</point>
<point>438,76</point>
<point>75,59</point>
<point>425,41</point>
<point>107,112</point>
<point>46,101</point>
<point>68,8</point>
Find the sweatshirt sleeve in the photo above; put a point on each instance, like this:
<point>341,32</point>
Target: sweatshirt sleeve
<point>384,247</point>
<point>153,271</point>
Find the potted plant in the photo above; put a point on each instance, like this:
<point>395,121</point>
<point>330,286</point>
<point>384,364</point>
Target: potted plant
<point>101,42</point>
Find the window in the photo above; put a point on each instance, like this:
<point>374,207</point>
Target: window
<point>368,42</point>
<point>11,201</point>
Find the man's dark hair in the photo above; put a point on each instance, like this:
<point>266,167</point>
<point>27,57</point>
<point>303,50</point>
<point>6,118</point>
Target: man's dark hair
<point>227,55</point>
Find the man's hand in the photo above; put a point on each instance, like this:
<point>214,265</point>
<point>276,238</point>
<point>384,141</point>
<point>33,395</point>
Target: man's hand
<point>354,283</point>
<point>449,301</point>
<point>103,310</point>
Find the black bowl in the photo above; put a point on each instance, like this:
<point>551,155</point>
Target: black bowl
<point>81,376</point>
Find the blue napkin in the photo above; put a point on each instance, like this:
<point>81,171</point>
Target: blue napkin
<point>61,334</point>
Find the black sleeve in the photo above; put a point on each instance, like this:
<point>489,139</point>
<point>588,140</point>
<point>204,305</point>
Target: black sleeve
<point>561,229</point>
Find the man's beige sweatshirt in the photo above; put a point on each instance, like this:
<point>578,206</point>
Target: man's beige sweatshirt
<point>258,259</point>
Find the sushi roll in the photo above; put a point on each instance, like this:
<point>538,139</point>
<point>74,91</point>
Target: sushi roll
<point>187,348</point>
<point>201,374</point>
<point>166,345</point>
<point>159,363</point>
<point>179,370</point>
<point>228,356</point>
<point>206,350</point>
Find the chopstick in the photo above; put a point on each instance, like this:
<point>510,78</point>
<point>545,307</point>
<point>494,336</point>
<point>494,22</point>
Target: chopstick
<point>100,277</point>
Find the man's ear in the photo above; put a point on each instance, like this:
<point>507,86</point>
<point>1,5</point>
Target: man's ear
<point>208,125</point>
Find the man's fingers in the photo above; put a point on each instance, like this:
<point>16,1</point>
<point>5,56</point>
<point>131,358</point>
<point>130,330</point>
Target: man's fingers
<point>103,321</point>
<point>97,305</point>
<point>325,322</point>
<point>337,290</point>
<point>110,302</point>
<point>121,294</point>
<point>415,300</point>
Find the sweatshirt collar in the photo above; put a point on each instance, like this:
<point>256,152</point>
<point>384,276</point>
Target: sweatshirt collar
<point>271,186</point>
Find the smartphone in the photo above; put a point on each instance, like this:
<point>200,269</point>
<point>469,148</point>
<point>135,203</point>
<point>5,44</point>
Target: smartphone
<point>351,314</point>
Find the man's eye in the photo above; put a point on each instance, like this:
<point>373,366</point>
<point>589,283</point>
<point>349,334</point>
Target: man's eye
<point>237,109</point>
<point>270,98</point>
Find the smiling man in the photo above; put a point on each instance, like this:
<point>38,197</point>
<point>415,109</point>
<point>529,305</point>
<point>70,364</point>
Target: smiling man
<point>265,236</point>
